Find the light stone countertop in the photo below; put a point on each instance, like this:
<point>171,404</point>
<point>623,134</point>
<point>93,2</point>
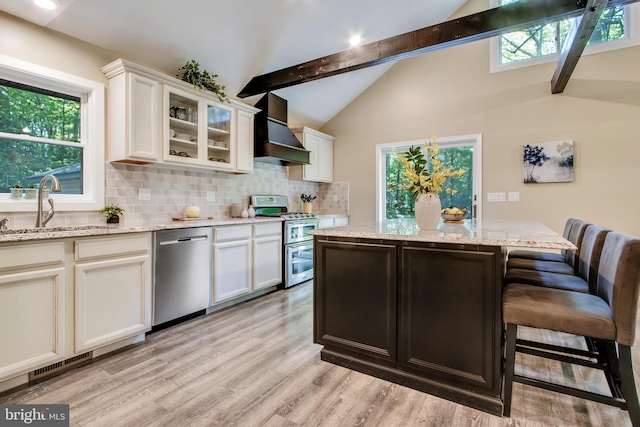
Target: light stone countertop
<point>526,234</point>
<point>122,228</point>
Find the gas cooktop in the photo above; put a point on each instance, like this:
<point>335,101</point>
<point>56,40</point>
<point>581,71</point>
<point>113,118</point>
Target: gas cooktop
<point>277,206</point>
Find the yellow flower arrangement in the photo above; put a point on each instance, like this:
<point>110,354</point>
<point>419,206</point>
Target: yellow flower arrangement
<point>422,178</point>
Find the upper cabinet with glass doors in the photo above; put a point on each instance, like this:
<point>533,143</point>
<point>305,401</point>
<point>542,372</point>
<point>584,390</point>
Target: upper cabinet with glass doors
<point>198,131</point>
<point>155,118</point>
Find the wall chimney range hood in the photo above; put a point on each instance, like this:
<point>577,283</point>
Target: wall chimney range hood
<point>274,141</point>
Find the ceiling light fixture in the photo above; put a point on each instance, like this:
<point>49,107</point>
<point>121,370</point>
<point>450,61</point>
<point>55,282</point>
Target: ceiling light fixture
<point>47,4</point>
<point>355,40</point>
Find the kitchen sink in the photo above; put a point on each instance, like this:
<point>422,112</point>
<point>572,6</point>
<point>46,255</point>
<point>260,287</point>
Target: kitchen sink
<point>56,229</point>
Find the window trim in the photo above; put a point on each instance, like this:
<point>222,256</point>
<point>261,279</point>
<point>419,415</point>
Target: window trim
<point>92,96</point>
<point>631,38</point>
<point>449,141</point>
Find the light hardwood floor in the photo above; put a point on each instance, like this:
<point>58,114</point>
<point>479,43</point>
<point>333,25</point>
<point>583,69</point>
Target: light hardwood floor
<point>255,365</point>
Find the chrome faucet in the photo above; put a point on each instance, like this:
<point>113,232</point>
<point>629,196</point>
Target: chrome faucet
<point>41,221</point>
<point>3,223</point>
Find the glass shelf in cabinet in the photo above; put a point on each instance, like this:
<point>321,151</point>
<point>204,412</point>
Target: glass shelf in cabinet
<point>178,123</point>
<point>217,130</point>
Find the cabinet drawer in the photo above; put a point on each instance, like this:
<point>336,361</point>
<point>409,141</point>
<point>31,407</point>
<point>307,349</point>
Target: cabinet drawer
<point>96,248</point>
<point>325,223</point>
<point>268,229</point>
<point>340,221</point>
<point>221,234</point>
<point>30,255</point>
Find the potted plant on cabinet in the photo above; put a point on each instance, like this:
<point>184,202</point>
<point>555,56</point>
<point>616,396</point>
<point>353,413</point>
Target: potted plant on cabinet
<point>202,80</point>
<point>16,191</point>
<point>112,212</point>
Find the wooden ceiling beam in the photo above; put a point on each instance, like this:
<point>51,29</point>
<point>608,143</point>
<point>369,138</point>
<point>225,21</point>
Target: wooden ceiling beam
<point>478,26</point>
<point>575,43</point>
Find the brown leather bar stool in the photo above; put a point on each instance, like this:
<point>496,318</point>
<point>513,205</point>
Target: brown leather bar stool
<point>545,256</point>
<point>588,261</point>
<point>609,317</point>
<point>569,266</point>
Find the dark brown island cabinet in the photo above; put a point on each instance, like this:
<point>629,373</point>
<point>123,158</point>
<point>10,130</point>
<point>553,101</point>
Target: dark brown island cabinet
<point>424,314</point>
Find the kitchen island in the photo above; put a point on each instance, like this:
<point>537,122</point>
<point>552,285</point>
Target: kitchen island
<point>421,308</point>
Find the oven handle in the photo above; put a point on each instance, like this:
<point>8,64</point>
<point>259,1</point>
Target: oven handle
<point>298,246</point>
<point>302,224</point>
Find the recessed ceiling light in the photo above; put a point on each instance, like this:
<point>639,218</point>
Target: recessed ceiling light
<point>47,4</point>
<point>355,40</point>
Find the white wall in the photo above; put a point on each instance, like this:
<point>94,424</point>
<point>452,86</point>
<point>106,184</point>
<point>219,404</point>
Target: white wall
<point>451,92</point>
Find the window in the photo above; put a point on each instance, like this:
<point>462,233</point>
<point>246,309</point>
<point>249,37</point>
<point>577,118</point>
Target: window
<point>460,152</point>
<point>543,43</point>
<point>50,123</point>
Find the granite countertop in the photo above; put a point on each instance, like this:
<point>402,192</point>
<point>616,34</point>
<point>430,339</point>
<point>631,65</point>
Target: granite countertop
<point>19,235</point>
<point>527,234</point>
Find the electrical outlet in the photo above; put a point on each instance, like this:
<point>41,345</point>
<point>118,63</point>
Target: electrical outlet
<point>335,198</point>
<point>514,196</point>
<point>496,197</point>
<point>144,194</point>
<point>211,196</point>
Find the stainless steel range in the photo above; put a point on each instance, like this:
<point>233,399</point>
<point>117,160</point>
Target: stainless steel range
<point>298,243</point>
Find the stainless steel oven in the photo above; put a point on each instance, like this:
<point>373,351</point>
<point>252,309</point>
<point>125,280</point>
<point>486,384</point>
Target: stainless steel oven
<point>298,248</point>
<point>298,243</point>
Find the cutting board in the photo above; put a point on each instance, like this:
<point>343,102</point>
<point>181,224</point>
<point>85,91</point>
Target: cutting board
<point>184,218</point>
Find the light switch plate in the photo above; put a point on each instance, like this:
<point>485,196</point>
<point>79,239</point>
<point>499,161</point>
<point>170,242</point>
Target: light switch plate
<point>514,196</point>
<point>496,197</point>
<point>144,194</point>
<point>211,196</point>
<point>335,198</point>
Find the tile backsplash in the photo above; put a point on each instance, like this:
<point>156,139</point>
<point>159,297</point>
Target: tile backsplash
<point>173,189</point>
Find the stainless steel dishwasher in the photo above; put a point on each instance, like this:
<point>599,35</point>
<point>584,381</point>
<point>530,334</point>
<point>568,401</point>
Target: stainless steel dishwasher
<point>182,272</point>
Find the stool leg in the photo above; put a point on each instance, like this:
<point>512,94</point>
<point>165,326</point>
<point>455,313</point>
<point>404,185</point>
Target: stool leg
<point>629,384</point>
<point>509,366</point>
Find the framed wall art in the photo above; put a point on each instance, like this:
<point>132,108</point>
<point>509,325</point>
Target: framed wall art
<point>548,162</point>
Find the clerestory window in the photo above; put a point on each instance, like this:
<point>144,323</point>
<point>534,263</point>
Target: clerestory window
<point>543,43</point>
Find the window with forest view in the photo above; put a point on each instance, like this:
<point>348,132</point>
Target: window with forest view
<point>547,40</point>
<point>40,133</point>
<point>399,202</point>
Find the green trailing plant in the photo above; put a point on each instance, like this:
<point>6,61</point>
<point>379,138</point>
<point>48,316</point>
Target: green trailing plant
<point>201,80</point>
<point>17,186</point>
<point>111,210</point>
<point>31,186</point>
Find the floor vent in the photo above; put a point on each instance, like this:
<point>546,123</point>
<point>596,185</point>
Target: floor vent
<point>59,367</point>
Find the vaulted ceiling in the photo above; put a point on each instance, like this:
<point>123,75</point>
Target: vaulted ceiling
<point>239,39</point>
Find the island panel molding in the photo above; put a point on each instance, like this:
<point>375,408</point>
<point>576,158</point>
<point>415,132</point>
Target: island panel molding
<point>356,310</point>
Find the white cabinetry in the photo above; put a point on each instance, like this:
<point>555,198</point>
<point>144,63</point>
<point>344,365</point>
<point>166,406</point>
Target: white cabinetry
<point>112,289</point>
<point>231,262</point>
<point>320,146</point>
<point>244,141</point>
<point>246,258</point>
<point>32,315</point>
<point>176,125</point>
<point>198,131</point>
<point>333,221</point>
<point>134,123</point>
<point>267,255</point>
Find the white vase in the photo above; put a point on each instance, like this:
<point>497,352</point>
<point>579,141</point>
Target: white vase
<point>427,210</point>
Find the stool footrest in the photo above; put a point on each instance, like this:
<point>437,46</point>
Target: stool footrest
<point>595,397</point>
<point>561,349</point>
